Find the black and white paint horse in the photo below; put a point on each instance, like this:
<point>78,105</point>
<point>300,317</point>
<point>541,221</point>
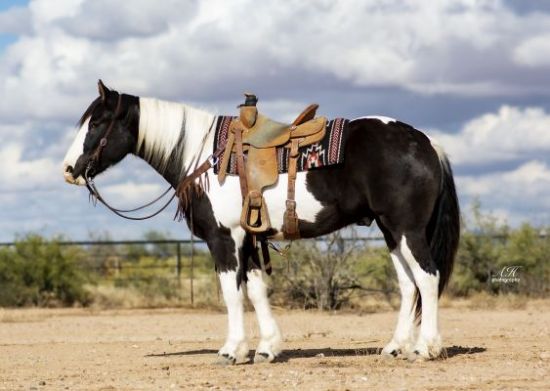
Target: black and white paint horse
<point>393,174</point>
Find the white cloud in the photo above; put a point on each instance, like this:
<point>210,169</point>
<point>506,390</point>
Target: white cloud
<point>46,11</point>
<point>208,52</point>
<point>184,48</point>
<point>509,134</point>
<point>130,192</point>
<point>20,173</point>
<point>531,179</point>
<point>519,194</point>
<point>15,20</point>
<point>534,52</point>
<point>108,20</point>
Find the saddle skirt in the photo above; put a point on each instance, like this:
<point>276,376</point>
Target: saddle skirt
<point>327,152</point>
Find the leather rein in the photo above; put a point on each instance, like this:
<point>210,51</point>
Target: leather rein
<point>95,195</point>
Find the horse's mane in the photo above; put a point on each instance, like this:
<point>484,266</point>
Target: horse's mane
<point>88,112</point>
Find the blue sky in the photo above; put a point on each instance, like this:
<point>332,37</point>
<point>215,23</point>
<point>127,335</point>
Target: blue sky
<point>475,74</point>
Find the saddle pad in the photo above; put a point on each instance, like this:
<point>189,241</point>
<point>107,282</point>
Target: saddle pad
<point>327,152</point>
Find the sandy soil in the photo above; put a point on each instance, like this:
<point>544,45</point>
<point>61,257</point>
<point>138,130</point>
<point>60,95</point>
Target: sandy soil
<point>175,349</point>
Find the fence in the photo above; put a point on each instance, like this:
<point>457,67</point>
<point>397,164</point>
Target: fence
<point>117,260</point>
<point>158,268</point>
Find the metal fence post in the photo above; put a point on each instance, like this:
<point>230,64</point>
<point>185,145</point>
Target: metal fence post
<point>178,261</point>
<point>191,271</point>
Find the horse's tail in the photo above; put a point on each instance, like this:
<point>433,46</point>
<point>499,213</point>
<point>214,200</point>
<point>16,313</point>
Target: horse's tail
<point>443,232</point>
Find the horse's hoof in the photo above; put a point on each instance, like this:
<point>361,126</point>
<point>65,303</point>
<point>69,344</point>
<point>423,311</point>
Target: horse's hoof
<point>262,357</point>
<point>225,360</point>
<point>416,357</point>
<point>390,355</point>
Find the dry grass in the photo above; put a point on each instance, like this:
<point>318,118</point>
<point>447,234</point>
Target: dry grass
<point>208,295</point>
<point>108,296</point>
<point>485,301</point>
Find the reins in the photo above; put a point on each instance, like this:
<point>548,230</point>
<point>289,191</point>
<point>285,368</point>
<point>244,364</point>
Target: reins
<point>180,191</point>
<point>96,196</point>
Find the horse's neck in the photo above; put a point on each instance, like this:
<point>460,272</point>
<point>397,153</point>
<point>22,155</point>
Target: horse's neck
<point>171,136</point>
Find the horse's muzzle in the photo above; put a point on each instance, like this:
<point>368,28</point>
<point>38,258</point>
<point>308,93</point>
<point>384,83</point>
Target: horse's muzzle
<point>69,178</point>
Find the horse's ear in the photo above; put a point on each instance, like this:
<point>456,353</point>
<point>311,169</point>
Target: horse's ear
<point>102,90</point>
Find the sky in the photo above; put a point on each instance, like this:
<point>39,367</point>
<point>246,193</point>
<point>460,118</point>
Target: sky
<point>474,74</point>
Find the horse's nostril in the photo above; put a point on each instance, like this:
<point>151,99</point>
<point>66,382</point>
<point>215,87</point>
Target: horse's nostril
<point>69,169</point>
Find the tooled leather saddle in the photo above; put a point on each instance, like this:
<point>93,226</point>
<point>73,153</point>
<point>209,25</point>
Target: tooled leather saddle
<point>254,138</point>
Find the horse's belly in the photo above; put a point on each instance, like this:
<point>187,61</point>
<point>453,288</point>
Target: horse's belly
<point>226,201</point>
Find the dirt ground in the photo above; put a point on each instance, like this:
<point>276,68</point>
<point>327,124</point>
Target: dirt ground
<point>79,349</point>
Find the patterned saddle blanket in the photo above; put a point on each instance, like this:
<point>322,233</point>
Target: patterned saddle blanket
<point>329,151</point>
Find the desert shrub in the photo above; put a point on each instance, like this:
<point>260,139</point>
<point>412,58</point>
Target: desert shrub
<point>375,272</point>
<point>152,277</point>
<point>489,249</point>
<point>39,272</point>
<point>319,274</point>
<point>528,251</point>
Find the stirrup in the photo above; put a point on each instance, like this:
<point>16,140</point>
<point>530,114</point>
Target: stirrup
<point>254,217</point>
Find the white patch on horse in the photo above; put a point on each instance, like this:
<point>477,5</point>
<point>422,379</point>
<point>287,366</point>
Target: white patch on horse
<point>235,349</point>
<point>437,147</point>
<point>403,337</point>
<point>382,118</point>
<point>160,126</point>
<point>74,152</point>
<point>226,198</point>
<point>428,344</point>
<point>270,336</point>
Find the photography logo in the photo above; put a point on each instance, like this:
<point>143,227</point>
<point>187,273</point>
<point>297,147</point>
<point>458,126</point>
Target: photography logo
<point>508,275</point>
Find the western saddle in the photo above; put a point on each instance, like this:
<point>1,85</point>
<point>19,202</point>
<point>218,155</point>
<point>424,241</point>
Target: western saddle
<point>254,139</point>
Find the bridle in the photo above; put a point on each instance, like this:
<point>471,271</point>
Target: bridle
<point>94,160</point>
<point>92,188</point>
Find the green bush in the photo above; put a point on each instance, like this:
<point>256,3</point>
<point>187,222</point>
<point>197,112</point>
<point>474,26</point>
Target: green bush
<point>489,248</point>
<point>40,272</point>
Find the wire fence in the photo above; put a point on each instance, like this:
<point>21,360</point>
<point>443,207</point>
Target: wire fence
<point>180,261</point>
<point>159,268</point>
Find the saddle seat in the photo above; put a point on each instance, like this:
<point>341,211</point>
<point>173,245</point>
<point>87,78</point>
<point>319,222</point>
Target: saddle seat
<point>254,139</point>
<point>267,133</point>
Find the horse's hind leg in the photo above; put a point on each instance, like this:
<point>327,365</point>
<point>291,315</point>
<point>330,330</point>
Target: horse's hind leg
<point>403,337</point>
<point>415,250</point>
<point>270,336</point>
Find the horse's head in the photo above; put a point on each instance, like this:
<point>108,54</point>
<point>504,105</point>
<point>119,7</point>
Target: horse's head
<point>108,132</point>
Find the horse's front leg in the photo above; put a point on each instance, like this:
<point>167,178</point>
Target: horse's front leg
<point>270,336</point>
<point>235,349</point>
<point>226,255</point>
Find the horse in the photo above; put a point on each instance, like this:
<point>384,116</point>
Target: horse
<point>392,174</point>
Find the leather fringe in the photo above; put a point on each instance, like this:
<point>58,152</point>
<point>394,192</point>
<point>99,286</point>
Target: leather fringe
<point>188,188</point>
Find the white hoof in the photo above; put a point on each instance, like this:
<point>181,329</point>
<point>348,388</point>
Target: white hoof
<point>233,353</point>
<point>427,349</point>
<point>395,349</point>
<point>263,357</point>
<point>268,348</point>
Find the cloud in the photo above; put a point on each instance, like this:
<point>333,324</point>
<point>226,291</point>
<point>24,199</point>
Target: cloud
<point>16,20</point>
<point>135,193</point>
<point>203,51</point>
<point>357,55</point>
<point>20,173</point>
<point>534,52</point>
<point>139,18</point>
<point>507,135</point>
<point>519,194</point>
